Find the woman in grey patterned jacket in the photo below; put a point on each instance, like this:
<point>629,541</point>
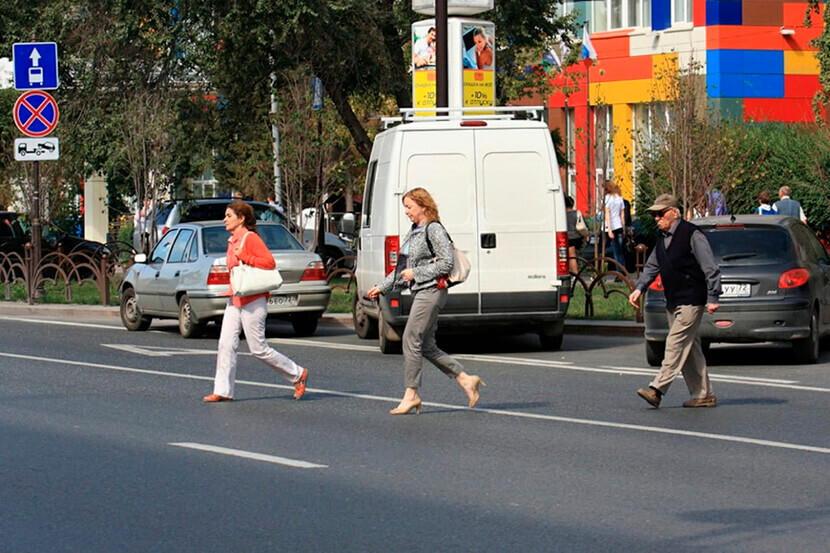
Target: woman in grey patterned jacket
<point>425,275</point>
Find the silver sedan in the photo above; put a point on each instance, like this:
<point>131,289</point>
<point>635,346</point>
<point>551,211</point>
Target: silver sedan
<point>185,277</point>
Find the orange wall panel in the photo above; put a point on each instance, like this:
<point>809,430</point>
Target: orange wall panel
<point>733,37</point>
<point>785,110</point>
<point>800,86</point>
<point>639,67</point>
<point>794,15</point>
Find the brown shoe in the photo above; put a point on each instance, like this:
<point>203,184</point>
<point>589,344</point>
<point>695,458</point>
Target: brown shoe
<point>710,401</point>
<point>650,396</point>
<point>214,398</point>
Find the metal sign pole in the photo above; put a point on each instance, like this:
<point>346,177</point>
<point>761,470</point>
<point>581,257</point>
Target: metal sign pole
<point>36,231</point>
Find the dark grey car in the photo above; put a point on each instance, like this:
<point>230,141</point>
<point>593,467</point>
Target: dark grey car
<point>775,283</point>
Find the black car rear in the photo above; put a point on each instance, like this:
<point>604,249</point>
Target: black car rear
<point>774,284</point>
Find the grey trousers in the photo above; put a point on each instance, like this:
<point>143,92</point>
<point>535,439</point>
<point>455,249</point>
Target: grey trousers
<point>683,352</point>
<point>419,338</point>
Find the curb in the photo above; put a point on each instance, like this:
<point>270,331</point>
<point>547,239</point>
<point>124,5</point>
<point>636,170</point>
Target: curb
<point>340,320</point>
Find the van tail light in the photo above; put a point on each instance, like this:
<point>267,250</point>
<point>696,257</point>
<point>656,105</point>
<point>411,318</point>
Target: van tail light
<point>219,274</point>
<point>314,271</point>
<point>793,278</point>
<point>562,254</point>
<point>657,284</point>
<point>390,253</point>
<point>164,230</point>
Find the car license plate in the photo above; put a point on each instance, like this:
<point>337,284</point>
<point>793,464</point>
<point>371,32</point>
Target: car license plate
<point>283,301</point>
<point>735,290</point>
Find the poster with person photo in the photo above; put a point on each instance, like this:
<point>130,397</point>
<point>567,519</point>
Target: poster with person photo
<point>479,46</point>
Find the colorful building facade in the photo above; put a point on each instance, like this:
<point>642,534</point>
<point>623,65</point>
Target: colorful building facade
<point>755,56</point>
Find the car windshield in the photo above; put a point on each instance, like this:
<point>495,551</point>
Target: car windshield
<point>749,246</point>
<point>276,237</point>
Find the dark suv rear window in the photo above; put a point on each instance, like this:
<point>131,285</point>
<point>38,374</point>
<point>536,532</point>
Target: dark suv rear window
<point>749,246</point>
<point>215,211</point>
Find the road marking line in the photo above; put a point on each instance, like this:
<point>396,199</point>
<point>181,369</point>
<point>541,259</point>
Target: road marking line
<point>250,455</point>
<point>61,323</point>
<point>518,361</point>
<point>517,414</point>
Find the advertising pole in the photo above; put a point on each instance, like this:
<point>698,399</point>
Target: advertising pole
<point>442,95</point>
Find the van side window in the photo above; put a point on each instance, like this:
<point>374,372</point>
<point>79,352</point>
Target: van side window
<point>367,197</point>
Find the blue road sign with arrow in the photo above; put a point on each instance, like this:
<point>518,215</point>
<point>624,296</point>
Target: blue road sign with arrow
<point>35,65</point>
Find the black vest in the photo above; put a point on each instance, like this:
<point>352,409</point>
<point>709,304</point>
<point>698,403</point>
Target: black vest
<point>683,279</point>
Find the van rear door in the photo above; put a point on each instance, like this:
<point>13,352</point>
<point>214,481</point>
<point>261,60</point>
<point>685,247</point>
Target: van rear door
<point>443,162</point>
<point>517,190</point>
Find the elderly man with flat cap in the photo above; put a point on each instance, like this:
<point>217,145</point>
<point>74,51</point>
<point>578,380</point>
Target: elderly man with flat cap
<point>691,281</point>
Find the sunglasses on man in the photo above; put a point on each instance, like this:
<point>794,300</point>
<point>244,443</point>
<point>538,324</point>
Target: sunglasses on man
<point>661,213</point>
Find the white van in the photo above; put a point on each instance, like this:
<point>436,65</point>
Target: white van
<point>499,194</point>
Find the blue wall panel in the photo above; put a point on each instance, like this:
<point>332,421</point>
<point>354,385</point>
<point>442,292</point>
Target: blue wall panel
<point>769,62</point>
<point>724,12</point>
<point>660,14</point>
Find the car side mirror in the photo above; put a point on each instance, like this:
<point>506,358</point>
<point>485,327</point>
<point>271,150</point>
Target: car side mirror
<point>347,224</point>
<point>140,258</point>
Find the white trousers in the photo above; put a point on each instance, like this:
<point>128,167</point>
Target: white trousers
<point>251,319</point>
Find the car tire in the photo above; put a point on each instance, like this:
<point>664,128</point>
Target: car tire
<point>365,326</point>
<point>389,340</point>
<point>305,324</point>
<point>189,326</point>
<point>806,351</point>
<point>131,316</point>
<point>551,334</point>
<point>655,351</point>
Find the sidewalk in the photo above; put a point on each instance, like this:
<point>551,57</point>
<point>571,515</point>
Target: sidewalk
<point>342,320</point>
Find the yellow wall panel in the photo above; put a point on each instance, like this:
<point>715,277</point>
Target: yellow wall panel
<point>800,62</point>
<point>623,148</point>
<point>622,92</point>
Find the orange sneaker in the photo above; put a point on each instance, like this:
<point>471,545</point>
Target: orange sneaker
<point>299,386</point>
<point>213,398</point>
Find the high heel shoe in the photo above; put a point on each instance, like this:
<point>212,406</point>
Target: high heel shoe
<point>476,382</point>
<point>406,407</point>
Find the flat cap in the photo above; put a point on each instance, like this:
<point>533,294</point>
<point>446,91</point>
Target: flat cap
<point>664,201</point>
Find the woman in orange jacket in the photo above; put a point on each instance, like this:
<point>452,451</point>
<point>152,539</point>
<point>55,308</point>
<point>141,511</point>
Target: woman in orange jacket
<point>248,313</point>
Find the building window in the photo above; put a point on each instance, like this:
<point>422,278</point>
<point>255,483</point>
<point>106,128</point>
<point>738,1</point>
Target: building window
<point>681,11</point>
<point>605,15</point>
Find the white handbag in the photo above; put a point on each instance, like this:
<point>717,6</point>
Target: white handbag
<point>460,263</point>
<point>250,281</point>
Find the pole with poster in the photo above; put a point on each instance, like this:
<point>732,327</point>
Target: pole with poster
<point>442,73</point>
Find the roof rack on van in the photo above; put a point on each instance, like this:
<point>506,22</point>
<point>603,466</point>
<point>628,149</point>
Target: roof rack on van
<point>408,115</point>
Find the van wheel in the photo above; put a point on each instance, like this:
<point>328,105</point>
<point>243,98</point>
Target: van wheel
<point>806,351</point>
<point>655,351</point>
<point>364,326</point>
<point>131,315</point>
<point>189,326</point>
<point>388,339</point>
<point>305,324</point>
<point>550,335</point>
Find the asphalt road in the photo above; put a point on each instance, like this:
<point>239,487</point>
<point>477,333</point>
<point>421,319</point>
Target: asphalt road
<point>108,447</point>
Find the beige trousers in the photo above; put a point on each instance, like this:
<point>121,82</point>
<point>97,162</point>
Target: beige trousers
<point>684,353</point>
